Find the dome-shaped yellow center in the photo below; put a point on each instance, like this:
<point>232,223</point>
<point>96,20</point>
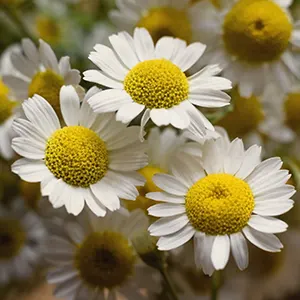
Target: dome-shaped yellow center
<point>47,84</point>
<point>219,204</point>
<point>256,31</point>
<point>292,111</point>
<point>167,21</point>
<point>105,260</point>
<point>48,29</point>
<point>77,155</point>
<point>12,238</point>
<point>157,83</point>
<point>245,117</point>
<point>6,108</point>
<point>142,201</point>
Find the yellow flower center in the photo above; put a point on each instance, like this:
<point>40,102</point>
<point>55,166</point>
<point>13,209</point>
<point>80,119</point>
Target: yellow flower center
<point>167,21</point>
<point>4,90</point>
<point>48,29</point>
<point>142,201</point>
<point>219,204</point>
<point>256,31</point>
<point>47,84</point>
<point>292,110</point>
<point>105,260</point>
<point>12,238</point>
<point>77,155</point>
<point>31,193</point>
<point>246,116</point>
<point>6,108</point>
<point>157,83</point>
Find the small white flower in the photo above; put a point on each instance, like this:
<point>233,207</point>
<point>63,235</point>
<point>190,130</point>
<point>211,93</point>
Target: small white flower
<point>229,196</point>
<point>149,79</point>
<point>95,259</point>
<point>252,42</point>
<point>21,238</point>
<point>91,160</point>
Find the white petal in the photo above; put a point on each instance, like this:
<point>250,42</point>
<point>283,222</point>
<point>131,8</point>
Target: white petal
<point>267,224</point>
<point>135,224</point>
<point>239,250</point>
<point>266,241</point>
<point>67,288</point>
<point>160,117</point>
<point>94,204</point>
<point>22,64</point>
<point>29,148</point>
<point>164,47</point>
<point>129,111</point>
<point>278,194</point>
<point>105,194</point>
<point>165,197</point>
<point>30,170</point>
<point>18,85</point>
<point>169,225</point>
<point>169,184</point>
<point>273,207</point>
<point>209,98</point>
<point>176,239</point>
<point>144,121</point>
<point>187,58</point>
<point>143,44</point>
<point>220,251</point>
<point>178,117</point>
<point>166,210</point>
<point>209,83</point>
<point>30,50</point>
<point>212,157</point>
<point>70,105</point>
<point>48,57</point>
<point>235,157</point>
<point>109,100</point>
<point>97,76</point>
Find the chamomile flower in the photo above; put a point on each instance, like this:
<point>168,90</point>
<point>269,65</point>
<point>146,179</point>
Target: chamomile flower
<point>91,160</point>
<point>161,18</point>
<point>149,79</point>
<point>41,73</point>
<point>229,196</point>
<point>21,237</point>
<point>252,41</point>
<point>96,259</point>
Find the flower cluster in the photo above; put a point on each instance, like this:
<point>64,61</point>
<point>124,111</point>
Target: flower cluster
<point>179,123</point>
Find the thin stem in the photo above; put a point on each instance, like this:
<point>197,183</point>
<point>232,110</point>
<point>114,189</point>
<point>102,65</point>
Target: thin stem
<point>16,19</point>
<point>215,285</point>
<point>169,284</point>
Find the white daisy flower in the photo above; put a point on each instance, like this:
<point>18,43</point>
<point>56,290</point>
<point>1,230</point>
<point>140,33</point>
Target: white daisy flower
<point>252,42</point>
<point>229,196</point>
<point>21,237</point>
<point>41,73</point>
<point>149,79</point>
<point>176,18</point>
<point>91,160</point>
<point>97,260</point>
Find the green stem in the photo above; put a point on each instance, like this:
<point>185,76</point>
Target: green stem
<point>14,16</point>
<point>171,291</point>
<point>215,285</point>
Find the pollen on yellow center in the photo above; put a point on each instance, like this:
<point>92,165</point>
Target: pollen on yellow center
<point>219,204</point>
<point>77,155</point>
<point>167,21</point>
<point>48,29</point>
<point>256,31</point>
<point>292,111</point>
<point>12,238</point>
<point>47,84</point>
<point>157,83</point>
<point>245,117</point>
<point>6,108</point>
<point>105,260</point>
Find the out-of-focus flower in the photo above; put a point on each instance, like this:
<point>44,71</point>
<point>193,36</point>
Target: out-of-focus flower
<point>228,196</point>
<point>21,237</point>
<point>91,160</point>
<point>252,42</point>
<point>150,80</point>
<point>97,258</point>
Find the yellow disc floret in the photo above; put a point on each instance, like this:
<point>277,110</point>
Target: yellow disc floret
<point>157,83</point>
<point>167,21</point>
<point>292,111</point>
<point>256,31</point>
<point>47,84</point>
<point>12,238</point>
<point>246,116</point>
<point>6,108</point>
<point>105,260</point>
<point>77,155</point>
<point>48,29</point>
<point>219,204</point>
